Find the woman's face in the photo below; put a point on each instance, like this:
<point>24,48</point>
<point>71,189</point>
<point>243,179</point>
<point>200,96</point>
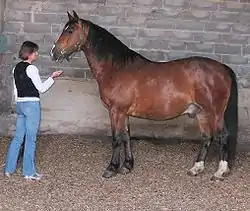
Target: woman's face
<point>33,56</point>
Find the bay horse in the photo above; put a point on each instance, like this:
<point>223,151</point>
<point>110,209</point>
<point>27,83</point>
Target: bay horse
<point>132,85</point>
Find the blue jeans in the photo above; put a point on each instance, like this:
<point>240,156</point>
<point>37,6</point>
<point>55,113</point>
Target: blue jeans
<point>27,125</point>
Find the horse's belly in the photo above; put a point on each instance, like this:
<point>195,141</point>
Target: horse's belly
<point>158,110</point>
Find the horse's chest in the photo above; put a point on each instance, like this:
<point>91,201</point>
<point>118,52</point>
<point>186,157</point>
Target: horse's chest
<point>106,95</point>
<point>117,95</point>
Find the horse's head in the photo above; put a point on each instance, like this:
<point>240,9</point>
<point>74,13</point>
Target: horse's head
<point>71,40</point>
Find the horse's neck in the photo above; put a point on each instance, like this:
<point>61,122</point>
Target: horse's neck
<point>101,68</point>
<point>98,68</point>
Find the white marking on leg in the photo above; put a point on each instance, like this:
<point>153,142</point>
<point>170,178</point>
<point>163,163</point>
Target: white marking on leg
<point>197,168</point>
<point>222,169</point>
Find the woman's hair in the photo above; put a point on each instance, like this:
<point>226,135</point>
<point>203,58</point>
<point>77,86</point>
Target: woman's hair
<point>26,49</point>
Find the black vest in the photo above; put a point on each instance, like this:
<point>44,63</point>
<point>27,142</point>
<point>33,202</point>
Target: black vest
<point>24,85</point>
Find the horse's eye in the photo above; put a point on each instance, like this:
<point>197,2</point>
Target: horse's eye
<point>70,31</point>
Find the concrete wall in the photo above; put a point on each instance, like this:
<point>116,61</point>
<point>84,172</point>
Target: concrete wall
<point>159,29</point>
<point>5,88</point>
<point>2,6</point>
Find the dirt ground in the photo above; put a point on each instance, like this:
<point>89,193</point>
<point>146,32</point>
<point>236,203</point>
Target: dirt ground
<point>72,168</point>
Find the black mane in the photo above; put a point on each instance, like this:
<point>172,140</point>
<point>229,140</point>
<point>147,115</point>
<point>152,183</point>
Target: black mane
<point>105,46</point>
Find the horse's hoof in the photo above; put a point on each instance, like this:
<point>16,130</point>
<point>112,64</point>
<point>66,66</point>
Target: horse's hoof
<point>196,169</point>
<point>123,170</point>
<point>192,173</point>
<point>108,174</point>
<point>217,179</point>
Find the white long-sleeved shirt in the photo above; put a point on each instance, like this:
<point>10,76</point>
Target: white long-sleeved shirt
<point>33,73</point>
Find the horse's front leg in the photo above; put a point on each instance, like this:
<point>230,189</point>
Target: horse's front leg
<point>128,163</point>
<point>117,120</point>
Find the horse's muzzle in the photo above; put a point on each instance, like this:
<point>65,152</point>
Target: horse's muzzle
<point>55,54</point>
<point>58,55</point>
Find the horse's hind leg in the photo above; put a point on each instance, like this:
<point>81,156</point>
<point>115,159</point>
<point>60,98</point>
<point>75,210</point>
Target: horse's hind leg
<point>221,135</point>
<point>204,121</point>
<point>223,169</point>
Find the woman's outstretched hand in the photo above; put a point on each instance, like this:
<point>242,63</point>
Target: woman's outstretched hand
<point>56,74</point>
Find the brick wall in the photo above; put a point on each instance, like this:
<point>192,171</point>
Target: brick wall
<point>159,29</point>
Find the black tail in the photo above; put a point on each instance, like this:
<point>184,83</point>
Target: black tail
<point>231,118</point>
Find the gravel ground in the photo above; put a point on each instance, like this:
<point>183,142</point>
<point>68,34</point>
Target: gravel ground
<point>73,167</point>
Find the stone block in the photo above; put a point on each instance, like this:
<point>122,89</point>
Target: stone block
<point>228,49</point>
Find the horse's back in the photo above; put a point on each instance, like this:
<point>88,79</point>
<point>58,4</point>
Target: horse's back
<point>192,72</point>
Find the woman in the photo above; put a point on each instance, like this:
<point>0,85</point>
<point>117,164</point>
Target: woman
<point>27,85</point>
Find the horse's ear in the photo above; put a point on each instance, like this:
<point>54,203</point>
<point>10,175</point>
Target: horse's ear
<point>70,16</point>
<point>75,15</point>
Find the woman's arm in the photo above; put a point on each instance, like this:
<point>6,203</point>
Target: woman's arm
<point>33,73</point>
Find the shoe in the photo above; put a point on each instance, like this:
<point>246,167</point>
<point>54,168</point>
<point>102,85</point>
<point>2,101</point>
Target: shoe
<point>35,176</point>
<point>7,174</point>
